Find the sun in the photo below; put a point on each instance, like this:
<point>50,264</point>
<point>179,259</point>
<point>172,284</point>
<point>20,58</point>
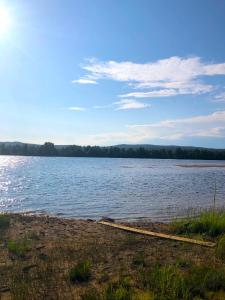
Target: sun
<point>5,21</point>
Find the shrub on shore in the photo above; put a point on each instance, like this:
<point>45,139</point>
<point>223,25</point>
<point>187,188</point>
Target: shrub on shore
<point>211,223</point>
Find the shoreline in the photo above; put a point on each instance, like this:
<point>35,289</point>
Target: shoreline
<point>120,157</point>
<point>200,165</point>
<point>189,212</point>
<point>130,221</point>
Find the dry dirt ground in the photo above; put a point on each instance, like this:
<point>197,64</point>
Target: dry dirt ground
<point>52,246</point>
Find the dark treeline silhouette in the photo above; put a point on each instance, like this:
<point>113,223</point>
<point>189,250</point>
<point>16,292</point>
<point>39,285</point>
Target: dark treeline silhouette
<point>49,149</point>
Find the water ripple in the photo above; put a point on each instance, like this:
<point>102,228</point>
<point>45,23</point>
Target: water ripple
<point>95,187</point>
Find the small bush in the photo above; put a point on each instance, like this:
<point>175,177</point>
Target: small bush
<point>81,272</point>
<point>120,290</point>
<point>19,248</point>
<point>211,223</point>
<point>220,250</point>
<point>4,222</point>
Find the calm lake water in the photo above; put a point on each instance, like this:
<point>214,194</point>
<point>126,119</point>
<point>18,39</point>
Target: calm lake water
<point>118,188</point>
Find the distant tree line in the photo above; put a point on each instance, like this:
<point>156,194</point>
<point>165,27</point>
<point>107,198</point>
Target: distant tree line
<point>49,149</point>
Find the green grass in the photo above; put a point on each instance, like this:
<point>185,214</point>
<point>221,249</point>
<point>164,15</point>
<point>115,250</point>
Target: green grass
<point>143,295</point>
<point>4,222</point>
<point>220,250</point>
<point>210,223</point>
<point>170,282</point>
<point>166,282</point>
<point>202,279</point>
<point>81,272</point>
<point>119,290</point>
<point>19,247</point>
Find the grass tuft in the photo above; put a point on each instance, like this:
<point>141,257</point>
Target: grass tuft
<point>220,250</point>
<point>81,272</point>
<point>143,295</point>
<point>201,279</point>
<point>211,223</point>
<point>119,290</point>
<point>4,222</point>
<point>19,247</point>
<point>167,282</point>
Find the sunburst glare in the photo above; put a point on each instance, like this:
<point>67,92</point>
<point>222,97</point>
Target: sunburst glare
<point>5,21</point>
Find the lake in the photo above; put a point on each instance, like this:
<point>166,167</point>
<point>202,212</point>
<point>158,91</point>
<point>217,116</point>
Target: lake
<point>118,188</point>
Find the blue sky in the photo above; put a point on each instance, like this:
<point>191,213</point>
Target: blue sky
<point>108,71</point>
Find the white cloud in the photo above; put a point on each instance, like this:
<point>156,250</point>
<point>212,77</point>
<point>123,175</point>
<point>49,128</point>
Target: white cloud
<point>155,94</point>
<point>211,125</point>
<point>219,98</point>
<point>124,104</point>
<point>130,104</point>
<point>178,88</point>
<point>85,81</point>
<point>76,108</point>
<point>163,78</point>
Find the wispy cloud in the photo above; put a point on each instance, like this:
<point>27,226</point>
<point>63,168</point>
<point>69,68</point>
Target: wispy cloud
<point>219,98</point>
<point>211,125</point>
<point>102,106</point>
<point>162,78</point>
<point>130,104</point>
<point>118,105</point>
<point>124,104</point>
<point>85,81</point>
<point>76,108</point>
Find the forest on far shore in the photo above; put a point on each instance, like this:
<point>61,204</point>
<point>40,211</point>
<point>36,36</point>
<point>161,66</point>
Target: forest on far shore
<point>166,152</point>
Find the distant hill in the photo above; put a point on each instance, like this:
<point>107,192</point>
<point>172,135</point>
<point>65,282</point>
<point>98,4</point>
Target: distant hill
<point>17,144</point>
<point>123,146</point>
<point>117,151</point>
<point>160,147</point>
